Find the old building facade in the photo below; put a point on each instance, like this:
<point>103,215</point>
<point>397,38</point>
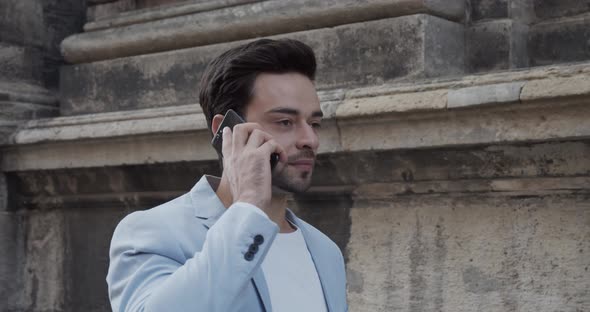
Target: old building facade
<point>454,168</point>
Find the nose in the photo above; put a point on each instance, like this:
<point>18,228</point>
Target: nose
<point>307,138</point>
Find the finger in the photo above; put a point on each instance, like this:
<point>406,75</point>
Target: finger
<point>257,138</point>
<point>241,132</point>
<point>271,146</point>
<point>226,142</point>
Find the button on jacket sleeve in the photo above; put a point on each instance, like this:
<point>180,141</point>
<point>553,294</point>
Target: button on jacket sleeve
<point>150,272</point>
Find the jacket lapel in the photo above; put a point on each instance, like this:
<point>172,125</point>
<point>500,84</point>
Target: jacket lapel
<point>316,252</point>
<point>209,209</point>
<point>262,289</point>
<point>207,205</point>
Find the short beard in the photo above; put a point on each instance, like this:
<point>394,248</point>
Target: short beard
<point>296,185</point>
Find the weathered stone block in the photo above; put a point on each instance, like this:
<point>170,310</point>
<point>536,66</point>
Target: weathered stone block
<point>7,127</point>
<point>21,22</point>
<point>489,9</point>
<point>240,23</point>
<point>488,46</point>
<point>496,45</point>
<point>109,9</point>
<point>39,26</point>
<point>564,40</point>
<point>357,54</point>
<point>500,93</point>
<point>11,261</point>
<point>44,273</point>
<point>119,13</point>
<point>88,236</point>
<point>463,253</point>
<point>20,63</point>
<point>546,9</point>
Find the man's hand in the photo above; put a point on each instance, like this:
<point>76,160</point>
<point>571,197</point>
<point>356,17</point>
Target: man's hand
<point>246,162</point>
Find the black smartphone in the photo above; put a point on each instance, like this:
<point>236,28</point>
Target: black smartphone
<point>231,119</point>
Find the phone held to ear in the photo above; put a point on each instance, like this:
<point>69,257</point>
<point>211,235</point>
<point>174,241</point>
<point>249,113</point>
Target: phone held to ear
<point>231,119</point>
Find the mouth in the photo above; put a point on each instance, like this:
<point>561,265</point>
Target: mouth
<point>303,164</point>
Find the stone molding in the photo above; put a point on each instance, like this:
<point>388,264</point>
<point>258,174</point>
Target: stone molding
<point>242,22</point>
<point>26,93</point>
<point>552,104</point>
<point>351,55</point>
<point>150,14</point>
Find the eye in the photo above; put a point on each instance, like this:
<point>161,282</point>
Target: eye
<point>285,122</point>
<point>316,125</point>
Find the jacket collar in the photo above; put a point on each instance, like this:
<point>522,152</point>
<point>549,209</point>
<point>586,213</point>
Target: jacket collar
<point>208,206</point>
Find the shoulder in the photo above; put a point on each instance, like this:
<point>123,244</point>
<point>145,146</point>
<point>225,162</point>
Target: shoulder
<point>157,230</point>
<point>159,217</point>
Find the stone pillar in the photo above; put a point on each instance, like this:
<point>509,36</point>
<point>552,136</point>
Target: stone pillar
<point>31,260</point>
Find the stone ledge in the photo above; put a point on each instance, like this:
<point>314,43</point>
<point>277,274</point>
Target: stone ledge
<point>537,185</point>
<point>386,118</point>
<point>242,22</point>
<point>100,20</point>
<point>26,93</point>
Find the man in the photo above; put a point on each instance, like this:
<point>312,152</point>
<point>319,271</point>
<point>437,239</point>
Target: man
<point>231,244</point>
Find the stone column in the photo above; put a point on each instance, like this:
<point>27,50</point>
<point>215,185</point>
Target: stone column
<point>30,34</point>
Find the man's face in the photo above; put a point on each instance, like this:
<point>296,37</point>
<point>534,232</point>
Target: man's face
<point>288,108</point>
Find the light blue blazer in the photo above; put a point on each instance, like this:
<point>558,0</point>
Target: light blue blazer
<point>193,254</point>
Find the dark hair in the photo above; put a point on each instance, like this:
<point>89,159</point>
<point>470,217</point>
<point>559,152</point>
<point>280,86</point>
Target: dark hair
<point>228,79</point>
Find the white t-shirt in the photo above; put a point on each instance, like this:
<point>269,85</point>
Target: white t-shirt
<point>291,277</point>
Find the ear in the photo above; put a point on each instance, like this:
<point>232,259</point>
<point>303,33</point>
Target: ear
<point>217,119</point>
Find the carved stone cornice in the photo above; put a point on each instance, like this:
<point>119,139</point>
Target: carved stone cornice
<point>543,104</point>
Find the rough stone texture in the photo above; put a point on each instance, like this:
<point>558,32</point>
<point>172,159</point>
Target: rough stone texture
<point>492,94</point>
<point>557,87</point>
<point>25,111</point>
<point>11,261</point>
<point>21,22</point>
<point>472,253</point>
<point>45,259</point>
<point>496,45</point>
<point>489,9</point>
<point>434,170</point>
<point>111,16</point>
<point>430,48</point>
<point>39,27</point>
<point>547,9</point>
<point>241,22</point>
<point>564,40</point>
<point>86,289</point>
<point>3,193</point>
<point>501,124</point>
<point>26,93</point>
<point>20,63</point>
<point>109,9</point>
<point>395,103</point>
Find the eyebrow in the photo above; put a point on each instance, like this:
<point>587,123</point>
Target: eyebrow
<point>291,111</point>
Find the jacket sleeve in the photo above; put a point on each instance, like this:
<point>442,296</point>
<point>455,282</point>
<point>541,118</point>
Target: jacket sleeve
<point>144,277</point>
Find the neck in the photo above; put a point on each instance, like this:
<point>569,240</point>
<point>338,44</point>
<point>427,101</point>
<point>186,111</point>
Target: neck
<point>278,206</point>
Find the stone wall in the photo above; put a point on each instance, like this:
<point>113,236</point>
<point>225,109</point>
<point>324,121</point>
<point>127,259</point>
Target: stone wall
<point>453,172</point>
